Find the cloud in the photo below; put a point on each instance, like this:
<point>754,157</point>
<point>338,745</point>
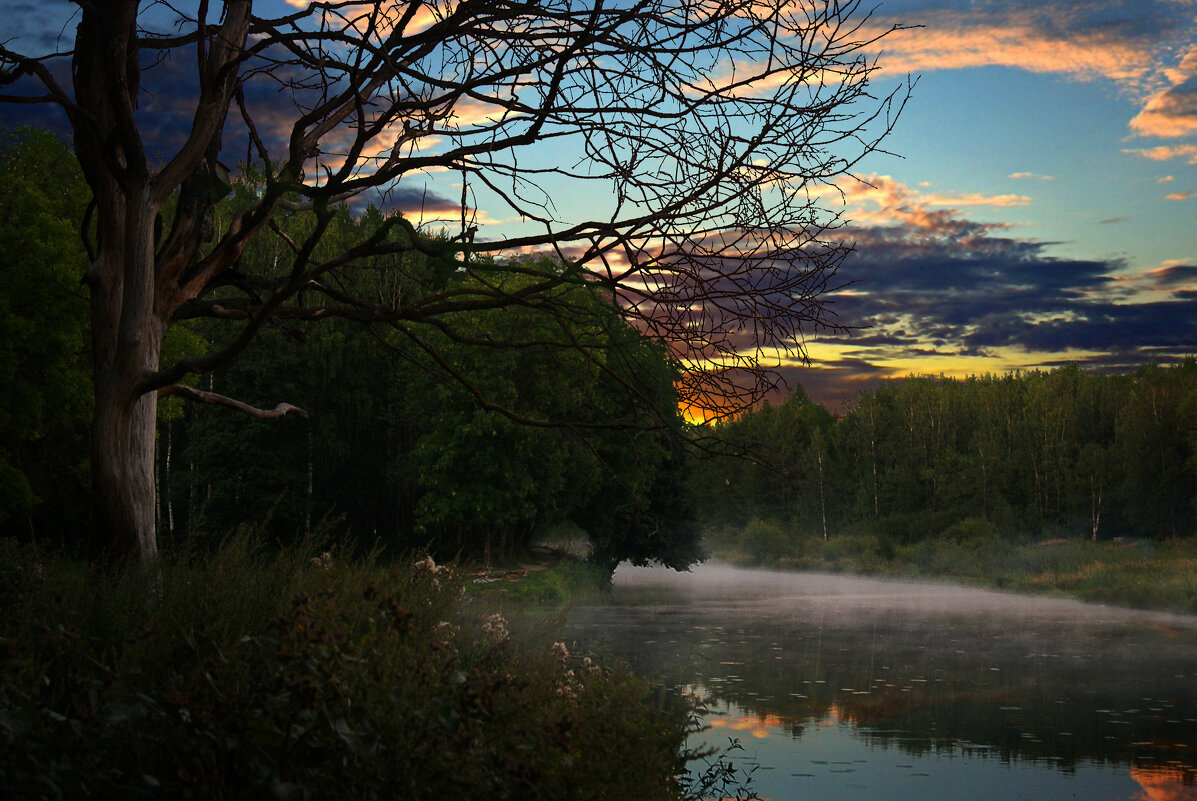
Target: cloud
<point>934,287</point>
<point>879,200</point>
<point>976,199</point>
<point>1174,275</point>
<point>1017,176</point>
<point>1114,220</point>
<point>1133,44</point>
<point>1114,40</point>
<point>1178,196</point>
<point>1167,153</point>
<point>1171,112</point>
<point>413,199</point>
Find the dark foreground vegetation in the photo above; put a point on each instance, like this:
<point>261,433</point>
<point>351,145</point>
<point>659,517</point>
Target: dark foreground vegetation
<point>302,675</point>
<point>253,667</point>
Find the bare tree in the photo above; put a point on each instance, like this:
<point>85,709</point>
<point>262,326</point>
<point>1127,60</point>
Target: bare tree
<point>697,131</point>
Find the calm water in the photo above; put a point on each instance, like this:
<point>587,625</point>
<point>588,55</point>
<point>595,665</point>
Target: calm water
<point>853,688</point>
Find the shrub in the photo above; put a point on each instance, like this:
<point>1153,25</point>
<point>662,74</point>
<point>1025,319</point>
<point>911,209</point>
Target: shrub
<point>764,541</point>
<point>973,532</point>
<point>248,676</point>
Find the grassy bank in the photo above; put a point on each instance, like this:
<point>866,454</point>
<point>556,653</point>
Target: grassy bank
<point>557,581</point>
<point>248,675</point>
<point>1139,573</point>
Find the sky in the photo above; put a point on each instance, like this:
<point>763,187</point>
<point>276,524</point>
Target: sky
<point>1037,204</point>
<point>1041,205</point>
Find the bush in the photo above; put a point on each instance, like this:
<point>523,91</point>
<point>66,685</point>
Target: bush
<point>765,542</point>
<point>972,532</point>
<point>247,676</point>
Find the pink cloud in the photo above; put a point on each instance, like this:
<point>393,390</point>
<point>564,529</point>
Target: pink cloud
<point>881,200</point>
<point>1038,40</point>
<point>1137,50</point>
<point>1178,196</point>
<point>1166,153</point>
<point>1169,113</point>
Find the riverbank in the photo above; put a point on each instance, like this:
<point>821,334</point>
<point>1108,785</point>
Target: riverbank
<point>249,674</point>
<point>1136,573</point>
<point>548,576</point>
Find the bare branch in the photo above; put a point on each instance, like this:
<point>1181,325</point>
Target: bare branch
<point>203,396</point>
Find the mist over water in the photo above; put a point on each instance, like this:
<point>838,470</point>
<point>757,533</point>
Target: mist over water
<point>853,687</point>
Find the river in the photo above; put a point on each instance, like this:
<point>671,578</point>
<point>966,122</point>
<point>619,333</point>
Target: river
<point>845,687</point>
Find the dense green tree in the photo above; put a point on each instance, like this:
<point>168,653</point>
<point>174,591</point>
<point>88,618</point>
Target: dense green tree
<point>1038,453</point>
<point>44,367</point>
<point>466,437</point>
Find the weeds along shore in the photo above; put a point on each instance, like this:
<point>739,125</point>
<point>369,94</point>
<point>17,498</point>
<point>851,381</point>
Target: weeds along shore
<point>248,674</point>
<point>1133,572</point>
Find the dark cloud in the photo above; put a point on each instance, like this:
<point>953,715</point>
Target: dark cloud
<point>968,290</point>
<point>417,200</point>
<point>834,382</point>
<point>1177,275</point>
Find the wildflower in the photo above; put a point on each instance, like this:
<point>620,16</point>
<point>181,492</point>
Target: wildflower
<point>560,651</point>
<point>495,627</point>
<point>322,562</point>
<point>444,632</point>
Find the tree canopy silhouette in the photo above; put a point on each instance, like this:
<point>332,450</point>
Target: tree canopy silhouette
<point>667,152</point>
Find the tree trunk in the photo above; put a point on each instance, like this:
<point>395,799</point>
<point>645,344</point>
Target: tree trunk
<point>126,341</point>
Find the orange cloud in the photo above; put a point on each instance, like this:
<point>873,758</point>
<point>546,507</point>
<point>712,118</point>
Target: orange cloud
<point>881,200</point>
<point>1167,153</point>
<point>976,199</point>
<point>1023,39</point>
<point>392,11</point>
<point>1170,113</point>
<point>1065,39</point>
<point>1178,196</point>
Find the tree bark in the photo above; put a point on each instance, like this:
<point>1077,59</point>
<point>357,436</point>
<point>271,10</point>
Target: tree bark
<point>126,342</point>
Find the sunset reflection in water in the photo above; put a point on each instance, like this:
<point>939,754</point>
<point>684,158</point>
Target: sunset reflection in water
<point>862,689</point>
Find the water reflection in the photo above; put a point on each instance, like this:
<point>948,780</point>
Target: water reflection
<point>846,687</point>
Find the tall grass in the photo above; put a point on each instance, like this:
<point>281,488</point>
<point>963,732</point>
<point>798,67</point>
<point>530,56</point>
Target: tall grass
<point>244,674</point>
<point>1137,573</point>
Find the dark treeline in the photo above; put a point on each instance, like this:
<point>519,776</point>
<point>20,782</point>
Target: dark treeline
<point>1059,453</point>
<point>466,437</point>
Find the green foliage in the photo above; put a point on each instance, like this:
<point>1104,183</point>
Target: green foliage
<point>46,401</point>
<point>566,582</point>
<point>521,401</point>
<point>465,436</point>
<point>765,542</point>
<point>970,463</point>
<point>243,675</point>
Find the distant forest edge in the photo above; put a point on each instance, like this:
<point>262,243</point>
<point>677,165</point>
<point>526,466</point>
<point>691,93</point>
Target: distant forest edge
<point>923,467</point>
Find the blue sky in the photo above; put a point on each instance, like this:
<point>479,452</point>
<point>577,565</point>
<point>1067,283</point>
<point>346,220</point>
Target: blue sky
<point>1054,143</point>
<point>1041,206</point>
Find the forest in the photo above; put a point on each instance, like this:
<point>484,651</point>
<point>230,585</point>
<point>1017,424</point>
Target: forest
<point>462,449</point>
<point>1041,454</point>
<point>396,449</point>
